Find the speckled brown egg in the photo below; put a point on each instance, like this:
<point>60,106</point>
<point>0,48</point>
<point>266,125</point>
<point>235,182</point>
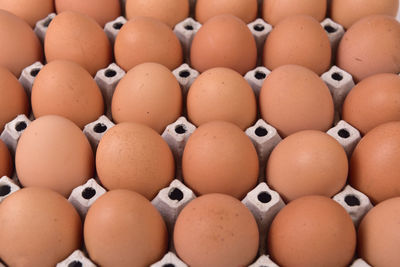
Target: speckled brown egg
<point>274,11</point>
<point>54,153</point>
<point>221,94</point>
<point>19,45</point>
<point>224,41</point>
<point>220,158</point>
<point>246,10</point>
<point>312,231</point>
<point>135,157</point>
<point>299,40</point>
<point>149,94</point>
<point>216,230</point>
<point>29,10</point>
<point>39,227</point>
<point>379,234</point>
<point>293,98</point>
<point>77,37</point>
<point>374,165</point>
<point>152,41</point>
<point>6,165</point>
<point>370,46</point>
<point>122,228</point>
<point>171,12</point>
<point>307,163</point>
<point>13,99</point>
<point>373,101</point>
<point>66,89</point>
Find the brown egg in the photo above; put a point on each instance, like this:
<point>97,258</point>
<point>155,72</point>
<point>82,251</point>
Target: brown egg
<point>221,94</point>
<point>66,89</point>
<point>216,230</point>
<point>149,94</point>
<point>152,41</point>
<point>307,163</point>
<point>123,228</point>
<point>101,11</point>
<point>246,10</point>
<point>29,10</point>
<point>276,10</point>
<point>38,228</point>
<point>77,37</point>
<point>299,40</point>
<point>224,41</point>
<point>379,234</point>
<point>370,46</point>
<point>294,98</point>
<point>6,166</point>
<point>312,231</point>
<point>220,158</point>
<point>347,12</point>
<point>171,12</point>
<point>53,153</point>
<point>134,156</point>
<point>19,45</point>
<point>13,99</point>
<point>373,101</point>
<point>374,165</point>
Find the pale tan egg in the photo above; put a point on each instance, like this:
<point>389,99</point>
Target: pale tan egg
<point>6,165</point>
<point>122,228</point>
<point>221,94</point>
<point>273,11</point>
<point>29,10</point>
<point>54,153</point>
<point>246,10</point>
<point>151,40</point>
<point>149,94</point>
<point>171,12</point>
<point>19,45</point>
<point>13,99</point>
<point>224,41</point>
<point>299,40</point>
<point>370,46</point>
<point>101,11</point>
<point>39,227</point>
<point>76,37</point>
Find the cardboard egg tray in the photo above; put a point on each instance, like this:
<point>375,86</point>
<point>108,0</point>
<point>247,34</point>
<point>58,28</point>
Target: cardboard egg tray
<point>263,202</point>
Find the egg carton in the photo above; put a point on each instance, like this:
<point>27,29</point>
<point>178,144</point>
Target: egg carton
<point>7,187</point>
<point>76,259</point>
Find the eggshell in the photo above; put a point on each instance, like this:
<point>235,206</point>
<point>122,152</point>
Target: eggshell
<point>312,231</point>
<point>273,11</point>
<point>221,94</point>
<point>29,10</point>
<point>38,228</point>
<point>134,156</point>
<point>293,98</point>
<point>102,11</point>
<point>379,234</point>
<point>66,89</point>
<point>216,230</point>
<point>299,40</point>
<point>171,12</point>
<point>220,158</point>
<point>224,41</point>
<point>370,46</point>
<point>307,163</point>
<point>347,12</point>
<point>152,41</point>
<point>53,153</point>
<point>373,101</point>
<point>122,228</point>
<point>6,166</point>
<point>149,94</point>
<point>77,37</point>
<point>13,99</point>
<point>246,10</point>
<point>374,165</point>
<point>19,45</point>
